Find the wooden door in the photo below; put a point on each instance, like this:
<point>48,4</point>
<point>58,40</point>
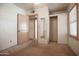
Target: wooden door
<point>53,29</point>
<point>22,29</point>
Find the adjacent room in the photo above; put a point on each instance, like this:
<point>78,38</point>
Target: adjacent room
<point>39,29</point>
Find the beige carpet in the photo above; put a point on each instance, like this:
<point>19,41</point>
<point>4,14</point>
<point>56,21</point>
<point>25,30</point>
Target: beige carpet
<point>52,49</point>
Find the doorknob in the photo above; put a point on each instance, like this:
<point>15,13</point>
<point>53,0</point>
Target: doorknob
<point>18,30</point>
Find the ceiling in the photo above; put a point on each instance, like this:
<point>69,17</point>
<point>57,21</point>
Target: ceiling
<point>58,6</point>
<point>51,6</point>
<point>25,6</point>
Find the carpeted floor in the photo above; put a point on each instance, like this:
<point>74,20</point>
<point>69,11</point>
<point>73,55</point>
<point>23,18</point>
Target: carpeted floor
<point>52,49</point>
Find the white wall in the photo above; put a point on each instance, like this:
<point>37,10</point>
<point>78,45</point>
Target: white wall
<point>8,25</point>
<point>43,12</point>
<point>62,27</point>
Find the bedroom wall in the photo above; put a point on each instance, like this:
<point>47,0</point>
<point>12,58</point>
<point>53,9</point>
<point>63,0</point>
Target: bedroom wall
<point>8,24</point>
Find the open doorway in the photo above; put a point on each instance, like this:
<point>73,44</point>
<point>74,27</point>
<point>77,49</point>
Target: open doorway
<point>53,29</point>
<point>33,28</point>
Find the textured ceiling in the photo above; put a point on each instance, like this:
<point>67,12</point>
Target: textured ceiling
<point>58,6</point>
<point>51,6</point>
<point>25,6</point>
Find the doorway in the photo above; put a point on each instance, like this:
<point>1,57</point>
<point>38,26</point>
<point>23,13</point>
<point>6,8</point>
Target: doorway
<point>33,28</point>
<point>53,29</point>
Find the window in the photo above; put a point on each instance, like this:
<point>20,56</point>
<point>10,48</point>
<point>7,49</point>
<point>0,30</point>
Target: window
<point>73,21</point>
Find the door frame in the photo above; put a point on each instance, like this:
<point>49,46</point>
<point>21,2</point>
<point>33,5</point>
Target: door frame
<point>17,28</point>
<point>56,27</point>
